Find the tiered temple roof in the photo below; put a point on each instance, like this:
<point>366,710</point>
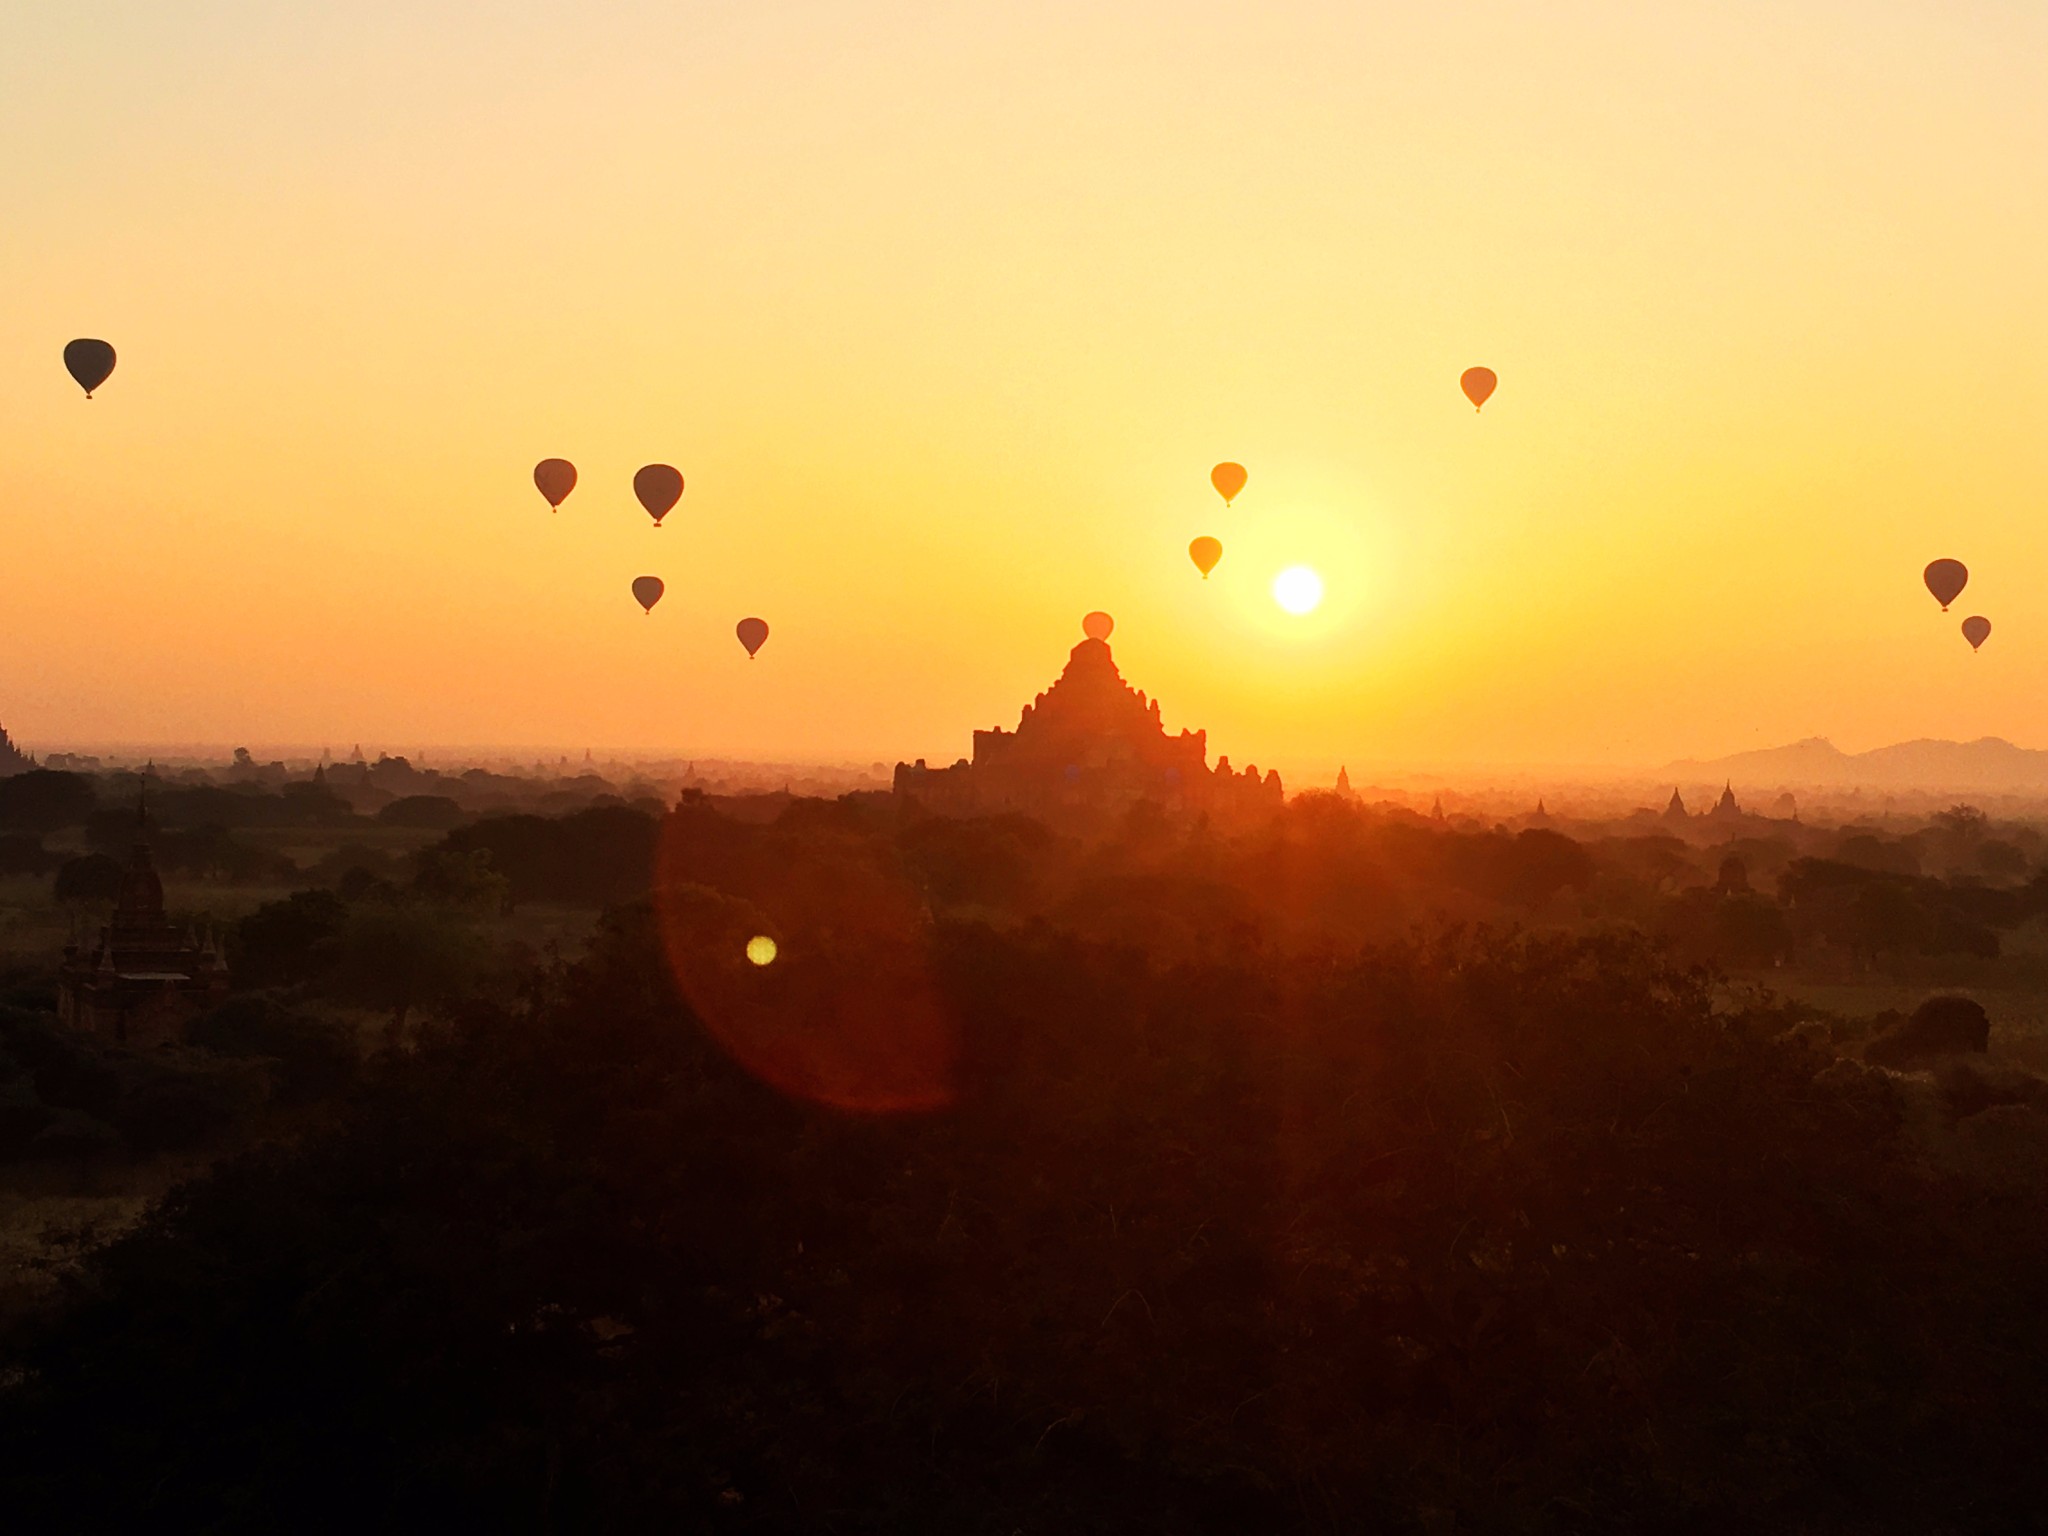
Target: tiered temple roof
<point>145,978</point>
<point>1090,742</point>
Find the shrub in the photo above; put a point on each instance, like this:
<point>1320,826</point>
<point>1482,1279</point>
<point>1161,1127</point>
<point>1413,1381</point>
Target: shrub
<point>92,877</point>
<point>1941,1026</point>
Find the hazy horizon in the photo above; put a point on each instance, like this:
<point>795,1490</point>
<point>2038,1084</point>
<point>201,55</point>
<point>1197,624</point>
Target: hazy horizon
<point>1401,778</point>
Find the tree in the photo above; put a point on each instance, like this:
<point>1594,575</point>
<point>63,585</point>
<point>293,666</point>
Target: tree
<point>433,813</point>
<point>290,940</point>
<point>93,877</point>
<point>2001,860</point>
<point>405,955</point>
<point>1750,930</point>
<point>1545,863</point>
<point>23,853</point>
<point>597,856</point>
<point>1964,822</point>
<point>461,879</point>
<point>1887,918</point>
<point>45,800</point>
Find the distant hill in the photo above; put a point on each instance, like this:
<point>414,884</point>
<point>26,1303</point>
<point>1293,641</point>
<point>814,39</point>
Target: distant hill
<point>1988,763</point>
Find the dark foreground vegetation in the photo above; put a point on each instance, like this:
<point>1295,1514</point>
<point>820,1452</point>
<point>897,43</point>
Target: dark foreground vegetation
<point>1239,1214</point>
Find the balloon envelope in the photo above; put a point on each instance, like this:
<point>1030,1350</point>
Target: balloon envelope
<point>89,362</point>
<point>659,487</point>
<point>1205,552</point>
<point>1946,580</point>
<point>556,478</point>
<point>1098,625</point>
<point>1976,630</point>
<point>753,634</point>
<point>1478,384</point>
<point>648,590</point>
<point>1228,479</point>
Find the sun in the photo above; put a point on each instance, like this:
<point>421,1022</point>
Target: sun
<point>1298,589</point>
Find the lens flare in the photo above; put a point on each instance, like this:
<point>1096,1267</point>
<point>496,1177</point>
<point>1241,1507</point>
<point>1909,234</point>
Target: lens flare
<point>854,1015</point>
<point>1298,589</point>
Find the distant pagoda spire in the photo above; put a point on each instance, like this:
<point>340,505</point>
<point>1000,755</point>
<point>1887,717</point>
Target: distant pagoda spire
<point>1344,782</point>
<point>1675,811</point>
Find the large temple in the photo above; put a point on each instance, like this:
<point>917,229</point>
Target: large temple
<point>12,759</point>
<point>145,979</point>
<point>1089,745</point>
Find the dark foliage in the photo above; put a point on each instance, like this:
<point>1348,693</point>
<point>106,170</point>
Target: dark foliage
<point>993,860</point>
<point>1941,1026</point>
<point>212,852</point>
<point>146,1102</point>
<point>315,1059</point>
<point>1493,1234</point>
<point>248,806</point>
<point>23,853</point>
<point>45,800</point>
<point>358,884</point>
<point>596,856</point>
<point>433,813</point>
<point>1878,912</point>
<point>90,877</point>
<point>291,940</point>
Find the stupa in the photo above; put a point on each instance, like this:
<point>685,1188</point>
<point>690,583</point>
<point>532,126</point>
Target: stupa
<point>1090,744</point>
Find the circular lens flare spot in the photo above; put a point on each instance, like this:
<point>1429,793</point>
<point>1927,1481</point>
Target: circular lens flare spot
<point>854,1016</point>
<point>1298,589</point>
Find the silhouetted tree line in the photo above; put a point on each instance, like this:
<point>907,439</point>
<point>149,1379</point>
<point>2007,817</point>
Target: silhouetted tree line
<point>66,1096</point>
<point>1234,1221</point>
<point>600,855</point>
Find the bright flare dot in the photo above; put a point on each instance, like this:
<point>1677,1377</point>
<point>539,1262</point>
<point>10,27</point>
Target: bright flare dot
<point>1298,589</point>
<point>761,949</point>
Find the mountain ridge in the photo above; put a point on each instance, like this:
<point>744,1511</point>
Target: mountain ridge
<point>1989,762</point>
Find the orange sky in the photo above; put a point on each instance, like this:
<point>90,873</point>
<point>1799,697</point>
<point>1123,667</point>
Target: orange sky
<point>945,309</point>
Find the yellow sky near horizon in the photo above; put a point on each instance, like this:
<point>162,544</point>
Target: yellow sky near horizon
<point>945,310</point>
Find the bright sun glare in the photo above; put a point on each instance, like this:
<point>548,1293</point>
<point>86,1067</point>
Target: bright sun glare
<point>1298,589</point>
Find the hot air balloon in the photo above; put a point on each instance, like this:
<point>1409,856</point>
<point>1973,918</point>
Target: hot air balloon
<point>1205,552</point>
<point>1946,580</point>
<point>1228,479</point>
<point>556,479</point>
<point>659,487</point>
<point>1976,630</point>
<point>1478,384</point>
<point>1098,625</point>
<point>753,634</point>
<point>89,362</point>
<point>648,590</point>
